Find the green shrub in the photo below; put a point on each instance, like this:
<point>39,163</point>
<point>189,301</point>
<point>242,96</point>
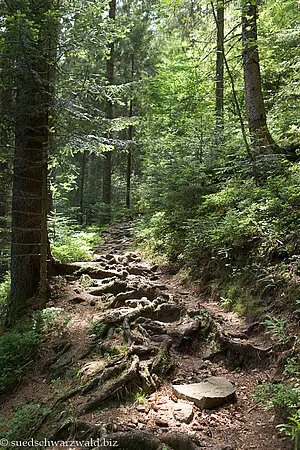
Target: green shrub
<point>4,294</point>
<point>50,320</point>
<point>292,428</point>
<point>16,351</point>
<point>25,417</point>
<point>18,347</point>
<point>285,398</point>
<point>70,242</point>
<point>277,327</point>
<point>236,232</point>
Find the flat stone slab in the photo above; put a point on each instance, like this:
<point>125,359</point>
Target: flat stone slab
<point>213,392</point>
<point>183,412</point>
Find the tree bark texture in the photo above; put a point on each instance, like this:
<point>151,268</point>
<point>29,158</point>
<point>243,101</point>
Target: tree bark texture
<point>5,176</point>
<point>130,136</point>
<point>30,199</point>
<point>220,69</point>
<point>261,139</point>
<point>107,161</point>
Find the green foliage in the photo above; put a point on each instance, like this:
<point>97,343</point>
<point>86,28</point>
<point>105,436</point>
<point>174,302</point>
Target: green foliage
<point>4,294</point>
<point>277,327</point>
<point>292,367</point>
<point>24,419</point>
<point>16,350</point>
<point>285,398</point>
<point>240,231</point>
<point>140,397</point>
<point>18,347</point>
<point>70,242</point>
<point>291,429</point>
<point>50,320</point>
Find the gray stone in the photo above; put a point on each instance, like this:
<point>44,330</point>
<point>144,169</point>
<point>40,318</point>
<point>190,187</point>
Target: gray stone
<point>183,412</point>
<point>213,392</point>
<point>161,422</point>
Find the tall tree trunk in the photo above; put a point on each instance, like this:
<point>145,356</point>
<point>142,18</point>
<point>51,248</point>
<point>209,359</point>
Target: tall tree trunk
<point>81,187</point>
<point>5,177</point>
<point>130,136</point>
<point>261,139</point>
<point>220,71</point>
<point>29,204</point>
<point>129,158</point>
<point>107,162</point>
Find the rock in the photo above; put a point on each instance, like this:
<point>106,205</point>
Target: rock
<point>142,419</point>
<point>141,408</point>
<point>204,365</point>
<point>213,392</point>
<point>183,412</point>
<point>161,422</point>
<point>92,303</point>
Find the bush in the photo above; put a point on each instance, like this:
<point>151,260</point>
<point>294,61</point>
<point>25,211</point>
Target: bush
<point>4,295</point>
<point>16,350</point>
<point>25,417</point>
<point>237,233</point>
<point>18,347</point>
<point>51,320</point>
<point>285,398</point>
<point>70,242</point>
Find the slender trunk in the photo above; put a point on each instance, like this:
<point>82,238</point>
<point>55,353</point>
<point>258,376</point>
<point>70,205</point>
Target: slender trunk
<point>261,139</point>
<point>107,161</point>
<point>129,158</point>
<point>220,71</point>
<point>81,187</point>
<point>236,102</point>
<point>44,234</point>
<point>130,136</point>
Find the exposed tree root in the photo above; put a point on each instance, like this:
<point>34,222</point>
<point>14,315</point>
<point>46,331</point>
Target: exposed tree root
<point>125,440</point>
<point>239,354</point>
<point>151,322</point>
<point>112,388</point>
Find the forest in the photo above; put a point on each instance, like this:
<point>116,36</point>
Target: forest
<point>149,224</point>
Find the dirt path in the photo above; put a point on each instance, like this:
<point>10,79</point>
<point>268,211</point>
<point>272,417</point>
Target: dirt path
<point>134,332</point>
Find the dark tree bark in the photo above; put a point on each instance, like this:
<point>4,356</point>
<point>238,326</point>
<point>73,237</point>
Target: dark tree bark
<point>129,165</point>
<point>29,204</point>
<point>5,175</point>
<point>81,187</point>
<point>130,136</point>
<point>220,70</point>
<point>107,161</point>
<point>261,139</point>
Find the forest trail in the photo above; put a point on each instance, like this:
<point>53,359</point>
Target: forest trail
<point>134,331</point>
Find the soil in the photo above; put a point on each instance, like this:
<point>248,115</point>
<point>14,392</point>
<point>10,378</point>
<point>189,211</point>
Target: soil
<point>70,358</point>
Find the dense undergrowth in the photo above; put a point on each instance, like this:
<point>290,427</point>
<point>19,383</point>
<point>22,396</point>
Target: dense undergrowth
<point>238,238</point>
<point>71,242</point>
<point>18,346</point>
<point>238,241</point>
